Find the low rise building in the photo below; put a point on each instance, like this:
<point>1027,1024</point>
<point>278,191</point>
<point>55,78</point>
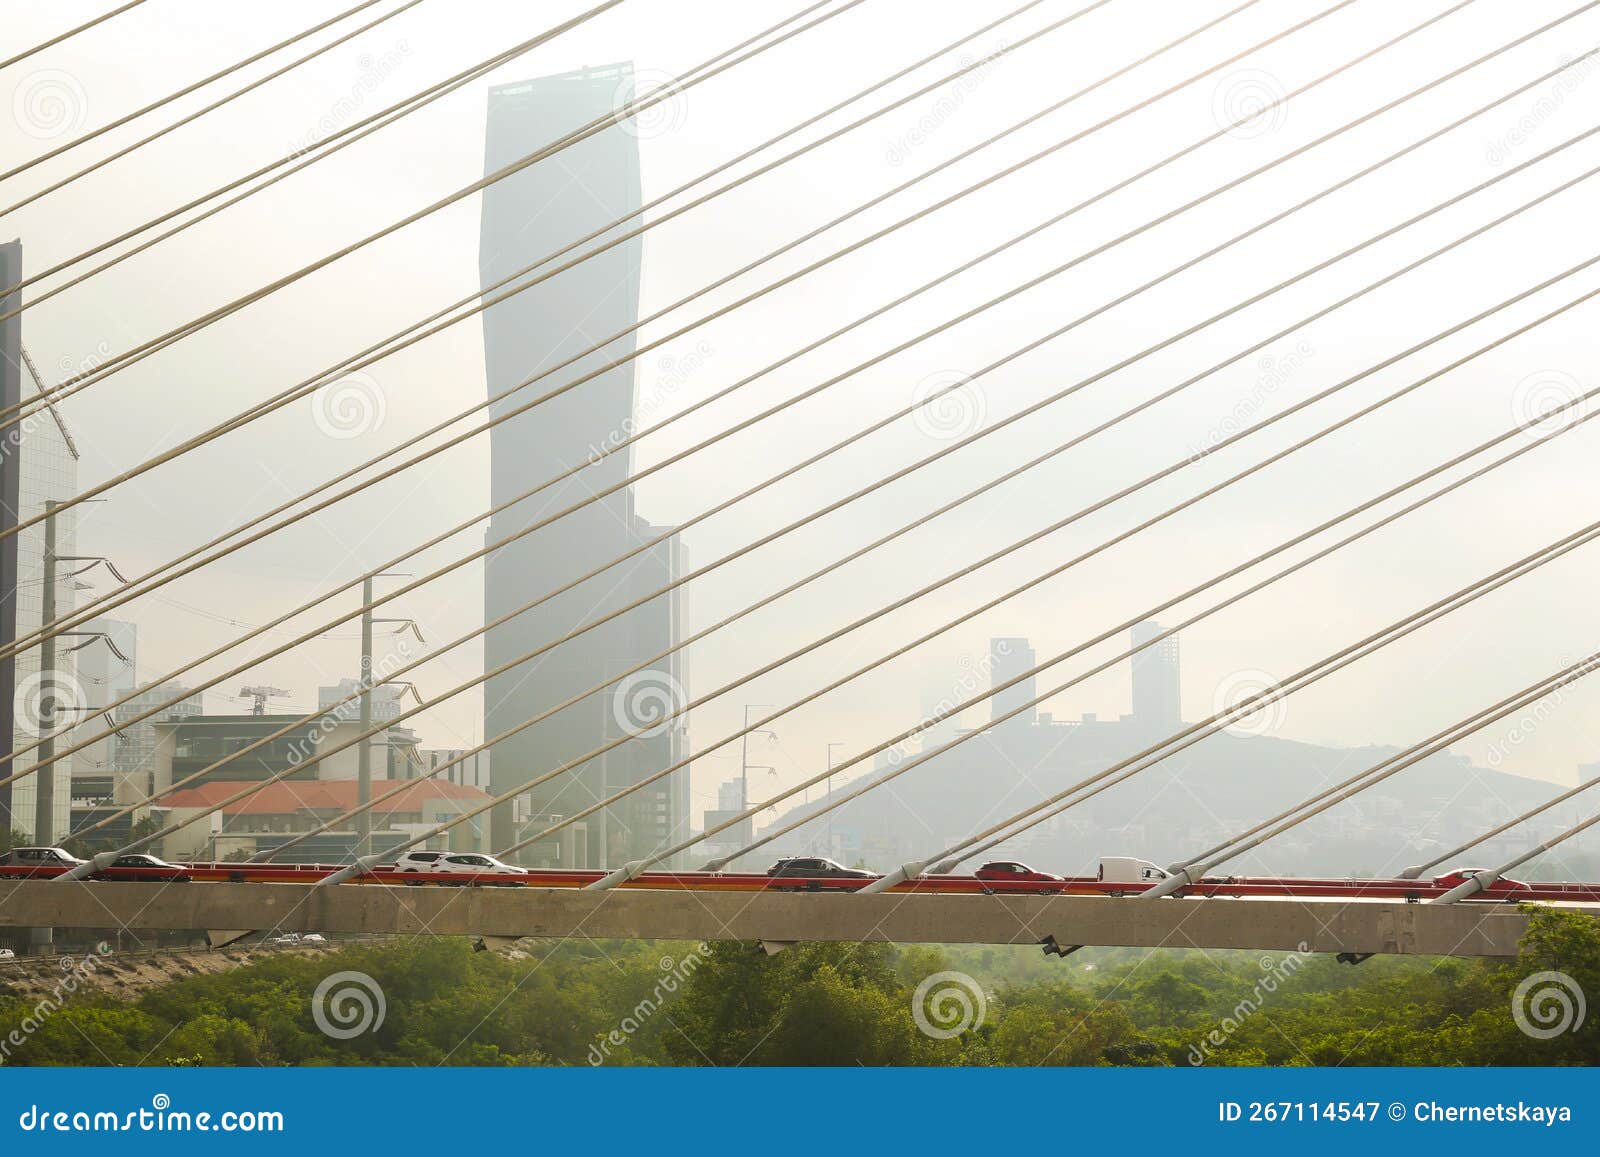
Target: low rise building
<point>280,811</point>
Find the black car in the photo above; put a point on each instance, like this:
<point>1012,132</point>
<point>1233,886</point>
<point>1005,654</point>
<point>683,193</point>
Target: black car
<point>141,866</point>
<point>816,868</point>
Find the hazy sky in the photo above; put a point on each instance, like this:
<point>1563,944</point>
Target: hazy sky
<point>1432,678</point>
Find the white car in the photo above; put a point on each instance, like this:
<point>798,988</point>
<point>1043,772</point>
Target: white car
<point>455,863</point>
<point>476,864</point>
<point>7,954</point>
<point>313,938</point>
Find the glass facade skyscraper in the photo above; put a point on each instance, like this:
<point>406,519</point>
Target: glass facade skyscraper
<point>527,217</point>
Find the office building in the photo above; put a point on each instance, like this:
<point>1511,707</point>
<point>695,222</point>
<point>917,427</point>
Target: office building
<point>526,217</point>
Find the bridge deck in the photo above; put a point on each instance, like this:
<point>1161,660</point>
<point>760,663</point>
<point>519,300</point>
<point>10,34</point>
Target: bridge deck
<point>1482,929</point>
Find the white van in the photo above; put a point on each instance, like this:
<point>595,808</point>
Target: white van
<point>1129,870</point>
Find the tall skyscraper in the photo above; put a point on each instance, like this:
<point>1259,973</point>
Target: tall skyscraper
<point>1157,706</point>
<point>528,217</point>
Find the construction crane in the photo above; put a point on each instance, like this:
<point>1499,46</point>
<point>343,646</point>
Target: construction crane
<point>261,695</point>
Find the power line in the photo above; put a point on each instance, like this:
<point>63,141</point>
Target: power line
<point>68,34</point>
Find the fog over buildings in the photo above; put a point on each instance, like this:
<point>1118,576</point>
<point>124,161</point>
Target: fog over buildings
<point>1399,695</point>
<point>1183,804</point>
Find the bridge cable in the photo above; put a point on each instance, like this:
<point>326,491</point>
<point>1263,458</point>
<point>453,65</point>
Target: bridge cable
<point>523,788</point>
<point>1192,870</point>
<point>949,865</point>
<point>126,118</point>
<point>668,90</point>
<point>366,126</point>
<point>878,485</point>
<point>68,34</point>
<point>311,384</point>
<point>1245,353</point>
<point>543,485</point>
<point>1479,881</point>
<point>1415,871</point>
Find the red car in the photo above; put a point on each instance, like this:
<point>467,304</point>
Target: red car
<point>1012,872</point>
<point>1458,876</point>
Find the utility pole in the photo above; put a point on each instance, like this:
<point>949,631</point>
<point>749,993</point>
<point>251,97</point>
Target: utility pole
<point>744,763</point>
<point>364,711</point>
<point>44,780</point>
